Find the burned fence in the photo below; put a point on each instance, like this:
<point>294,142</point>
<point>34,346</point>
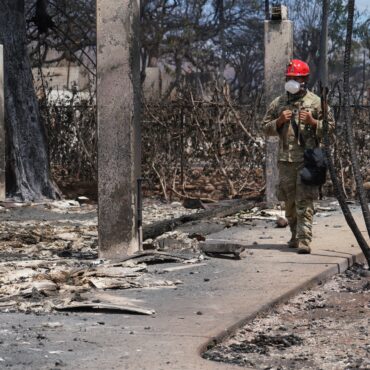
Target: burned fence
<point>71,127</point>
<point>360,115</point>
<point>203,149</point>
<point>195,148</point>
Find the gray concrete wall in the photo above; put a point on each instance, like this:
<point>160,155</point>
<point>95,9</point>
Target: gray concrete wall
<point>156,84</point>
<point>152,84</point>
<point>2,128</point>
<point>60,78</point>
<point>278,52</point>
<point>118,93</point>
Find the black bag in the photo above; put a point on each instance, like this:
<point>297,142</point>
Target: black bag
<point>315,167</point>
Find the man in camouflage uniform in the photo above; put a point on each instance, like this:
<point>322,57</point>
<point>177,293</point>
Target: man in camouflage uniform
<point>296,118</point>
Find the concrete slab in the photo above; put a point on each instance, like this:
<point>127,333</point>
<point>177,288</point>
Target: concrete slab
<point>212,301</point>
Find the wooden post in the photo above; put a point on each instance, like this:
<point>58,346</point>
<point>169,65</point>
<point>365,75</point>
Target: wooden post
<point>118,94</point>
<point>2,128</point>
<point>278,52</point>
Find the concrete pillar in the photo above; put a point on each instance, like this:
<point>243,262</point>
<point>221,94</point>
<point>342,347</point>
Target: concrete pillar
<point>118,97</point>
<point>2,128</point>
<point>278,52</point>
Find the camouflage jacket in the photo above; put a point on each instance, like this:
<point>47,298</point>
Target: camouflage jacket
<point>290,150</point>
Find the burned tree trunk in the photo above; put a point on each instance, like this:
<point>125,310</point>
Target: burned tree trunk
<point>28,172</point>
<point>338,190</point>
<point>348,120</point>
<point>267,10</point>
<point>323,63</point>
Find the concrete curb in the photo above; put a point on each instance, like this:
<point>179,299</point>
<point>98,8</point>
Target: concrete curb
<point>322,277</point>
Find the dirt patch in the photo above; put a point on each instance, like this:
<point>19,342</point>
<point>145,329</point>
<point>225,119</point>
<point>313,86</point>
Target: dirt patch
<point>323,328</point>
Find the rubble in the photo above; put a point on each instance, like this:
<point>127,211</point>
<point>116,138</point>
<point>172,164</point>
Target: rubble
<point>82,200</point>
<point>103,307</point>
<point>222,247</point>
<point>323,214</point>
<point>52,264</point>
<point>154,210</point>
<point>177,268</point>
<point>173,240</point>
<point>281,222</point>
<point>41,285</point>
<point>193,203</point>
<point>325,209</point>
<point>247,217</point>
<point>49,261</point>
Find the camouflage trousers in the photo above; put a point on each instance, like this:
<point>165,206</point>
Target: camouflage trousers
<point>298,198</point>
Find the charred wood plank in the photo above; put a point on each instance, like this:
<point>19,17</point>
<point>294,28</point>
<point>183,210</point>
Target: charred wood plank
<point>161,227</point>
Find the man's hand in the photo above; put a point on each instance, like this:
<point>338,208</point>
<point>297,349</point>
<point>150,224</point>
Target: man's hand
<point>284,117</point>
<point>306,118</point>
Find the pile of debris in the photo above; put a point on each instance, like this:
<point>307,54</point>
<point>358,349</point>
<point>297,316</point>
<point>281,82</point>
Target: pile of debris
<point>35,240</point>
<point>256,213</point>
<point>63,284</point>
<point>154,210</point>
<point>53,264</point>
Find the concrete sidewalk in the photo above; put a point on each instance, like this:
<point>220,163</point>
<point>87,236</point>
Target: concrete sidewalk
<point>213,300</point>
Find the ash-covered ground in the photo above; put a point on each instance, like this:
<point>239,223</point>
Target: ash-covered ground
<point>323,328</point>
<point>62,229</point>
<point>59,301</point>
<point>46,248</point>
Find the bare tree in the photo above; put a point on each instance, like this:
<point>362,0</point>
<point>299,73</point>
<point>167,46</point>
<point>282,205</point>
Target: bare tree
<point>205,36</point>
<point>307,16</point>
<point>62,31</point>
<point>267,9</point>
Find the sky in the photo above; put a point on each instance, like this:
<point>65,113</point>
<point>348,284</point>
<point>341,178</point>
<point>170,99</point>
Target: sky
<point>362,5</point>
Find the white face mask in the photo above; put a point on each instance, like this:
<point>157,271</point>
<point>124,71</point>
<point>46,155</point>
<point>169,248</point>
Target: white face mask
<point>292,86</point>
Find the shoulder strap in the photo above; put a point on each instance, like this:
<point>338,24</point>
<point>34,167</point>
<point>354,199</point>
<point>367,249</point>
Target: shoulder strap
<point>297,133</point>
<point>299,136</point>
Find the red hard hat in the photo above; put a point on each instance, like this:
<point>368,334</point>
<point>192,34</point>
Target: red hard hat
<point>297,68</point>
